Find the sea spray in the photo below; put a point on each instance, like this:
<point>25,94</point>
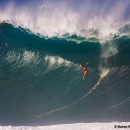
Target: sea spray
<point>59,19</point>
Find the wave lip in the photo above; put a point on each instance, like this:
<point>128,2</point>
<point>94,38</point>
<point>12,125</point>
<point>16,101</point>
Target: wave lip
<point>62,21</point>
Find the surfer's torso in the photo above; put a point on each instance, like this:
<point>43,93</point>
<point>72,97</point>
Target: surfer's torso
<point>84,68</point>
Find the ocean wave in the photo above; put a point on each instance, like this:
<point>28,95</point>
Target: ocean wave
<point>40,63</point>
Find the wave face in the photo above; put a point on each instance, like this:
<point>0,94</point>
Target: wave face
<point>41,80</point>
<point>40,63</point>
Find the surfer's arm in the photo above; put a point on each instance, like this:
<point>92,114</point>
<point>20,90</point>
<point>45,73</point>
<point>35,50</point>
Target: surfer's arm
<point>86,64</point>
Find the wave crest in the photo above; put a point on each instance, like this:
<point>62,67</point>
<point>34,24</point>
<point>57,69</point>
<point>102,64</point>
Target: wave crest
<point>59,20</point>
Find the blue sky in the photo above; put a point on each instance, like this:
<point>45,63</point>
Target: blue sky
<point>73,2</point>
<point>76,4</point>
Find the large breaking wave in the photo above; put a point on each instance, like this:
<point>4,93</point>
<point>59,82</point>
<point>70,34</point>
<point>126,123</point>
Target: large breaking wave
<point>60,19</point>
<point>41,77</point>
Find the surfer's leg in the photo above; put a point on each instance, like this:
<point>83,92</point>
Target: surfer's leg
<point>83,77</point>
<point>85,73</point>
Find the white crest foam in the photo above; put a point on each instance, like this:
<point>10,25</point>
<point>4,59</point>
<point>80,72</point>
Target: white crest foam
<point>57,19</point>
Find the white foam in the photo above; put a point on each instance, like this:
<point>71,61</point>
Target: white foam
<point>33,58</point>
<point>56,19</point>
<point>28,56</point>
<point>23,59</point>
<point>76,126</point>
<point>56,60</point>
<point>109,51</point>
<point>104,73</point>
<point>12,56</point>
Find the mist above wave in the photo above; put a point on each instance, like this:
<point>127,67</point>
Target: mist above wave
<point>87,22</point>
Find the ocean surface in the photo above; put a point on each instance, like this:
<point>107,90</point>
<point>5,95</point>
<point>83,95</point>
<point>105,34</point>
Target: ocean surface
<point>41,79</point>
<point>40,67</point>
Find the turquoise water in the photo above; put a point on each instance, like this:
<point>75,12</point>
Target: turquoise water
<point>41,79</point>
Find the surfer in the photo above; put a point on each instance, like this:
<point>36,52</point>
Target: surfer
<point>85,70</point>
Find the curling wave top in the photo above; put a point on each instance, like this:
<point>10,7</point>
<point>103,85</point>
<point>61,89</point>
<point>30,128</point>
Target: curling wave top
<point>87,20</point>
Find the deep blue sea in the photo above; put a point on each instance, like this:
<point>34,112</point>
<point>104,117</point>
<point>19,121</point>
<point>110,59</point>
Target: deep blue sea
<point>40,66</point>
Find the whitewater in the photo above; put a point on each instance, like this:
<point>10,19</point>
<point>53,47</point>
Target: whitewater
<point>80,126</point>
<point>101,23</point>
